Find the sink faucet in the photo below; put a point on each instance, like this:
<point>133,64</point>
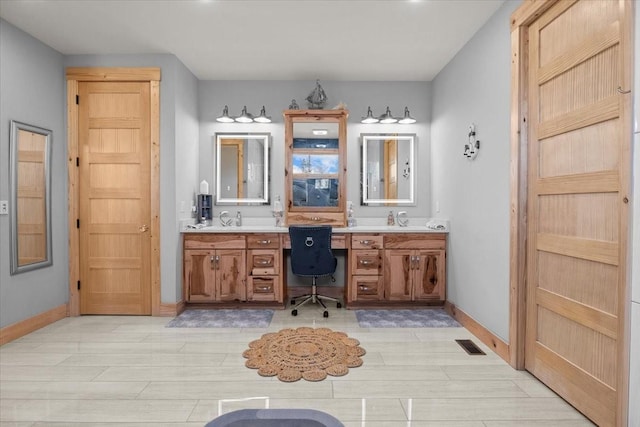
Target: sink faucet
<point>224,219</point>
<point>403,220</point>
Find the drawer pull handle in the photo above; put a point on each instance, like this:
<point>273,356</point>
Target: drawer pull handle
<point>215,262</point>
<point>263,262</point>
<point>364,288</point>
<point>315,218</point>
<point>365,262</point>
<point>264,242</point>
<point>366,242</point>
<point>263,288</point>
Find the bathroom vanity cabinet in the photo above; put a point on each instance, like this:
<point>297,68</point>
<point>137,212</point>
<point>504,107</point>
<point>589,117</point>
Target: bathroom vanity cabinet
<point>390,268</point>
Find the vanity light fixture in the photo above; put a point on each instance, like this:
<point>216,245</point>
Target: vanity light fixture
<point>224,118</point>
<point>369,119</point>
<point>262,117</point>
<point>387,117</point>
<point>407,119</point>
<point>244,117</point>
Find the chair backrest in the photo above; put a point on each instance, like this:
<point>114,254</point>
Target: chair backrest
<point>311,250</point>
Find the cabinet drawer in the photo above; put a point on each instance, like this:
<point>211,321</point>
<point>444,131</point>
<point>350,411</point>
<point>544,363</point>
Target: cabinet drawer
<point>336,219</point>
<point>214,241</point>
<point>366,262</point>
<point>338,241</point>
<point>263,241</point>
<point>263,261</point>
<point>368,288</point>
<point>265,288</point>
<point>415,241</point>
<point>366,241</point>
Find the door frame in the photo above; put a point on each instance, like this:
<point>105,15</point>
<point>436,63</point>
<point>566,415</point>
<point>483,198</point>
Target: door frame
<point>521,18</point>
<point>74,75</point>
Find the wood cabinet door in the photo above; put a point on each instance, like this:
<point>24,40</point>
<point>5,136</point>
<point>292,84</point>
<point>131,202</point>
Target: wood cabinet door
<point>199,276</point>
<point>398,274</point>
<point>230,273</point>
<point>429,276</point>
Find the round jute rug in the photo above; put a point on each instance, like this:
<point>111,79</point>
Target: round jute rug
<point>304,352</point>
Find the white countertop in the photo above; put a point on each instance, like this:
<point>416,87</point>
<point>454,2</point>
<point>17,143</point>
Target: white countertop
<point>274,229</point>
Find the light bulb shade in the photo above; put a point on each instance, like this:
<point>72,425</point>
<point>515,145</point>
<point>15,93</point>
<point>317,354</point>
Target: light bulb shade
<point>224,118</point>
<point>244,117</point>
<point>407,119</point>
<point>262,117</point>
<point>369,118</point>
<point>387,118</point>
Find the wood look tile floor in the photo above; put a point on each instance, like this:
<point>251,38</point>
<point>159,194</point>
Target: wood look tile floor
<point>133,371</point>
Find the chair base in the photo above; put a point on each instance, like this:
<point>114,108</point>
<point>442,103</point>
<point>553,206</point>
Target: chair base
<point>314,298</point>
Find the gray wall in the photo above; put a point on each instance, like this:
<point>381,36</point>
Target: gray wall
<point>276,97</point>
<point>185,173</point>
<point>178,108</point>
<point>33,92</point>
<point>475,88</point>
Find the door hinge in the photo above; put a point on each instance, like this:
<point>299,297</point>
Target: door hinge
<point>77,223</point>
<point>78,284</point>
<point>77,161</point>
<point>77,99</point>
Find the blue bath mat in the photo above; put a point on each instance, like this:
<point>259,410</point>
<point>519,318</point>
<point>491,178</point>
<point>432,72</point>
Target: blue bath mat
<point>222,318</point>
<point>406,318</point>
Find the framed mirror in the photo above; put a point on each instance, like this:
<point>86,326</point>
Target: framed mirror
<point>242,168</point>
<point>30,180</point>
<point>388,172</point>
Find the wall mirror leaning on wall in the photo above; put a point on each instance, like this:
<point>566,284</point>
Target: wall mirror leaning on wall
<point>30,149</point>
<point>388,172</point>
<point>242,168</point>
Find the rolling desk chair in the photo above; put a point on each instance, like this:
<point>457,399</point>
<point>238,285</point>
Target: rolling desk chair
<point>311,256</point>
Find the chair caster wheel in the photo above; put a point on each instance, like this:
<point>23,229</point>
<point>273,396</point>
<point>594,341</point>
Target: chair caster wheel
<point>339,305</point>
<point>325,314</point>
<point>294,312</point>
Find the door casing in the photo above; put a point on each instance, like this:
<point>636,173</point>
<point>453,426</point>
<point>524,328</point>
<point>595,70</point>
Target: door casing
<point>527,13</point>
<point>75,75</point>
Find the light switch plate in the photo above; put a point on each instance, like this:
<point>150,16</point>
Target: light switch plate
<point>4,207</point>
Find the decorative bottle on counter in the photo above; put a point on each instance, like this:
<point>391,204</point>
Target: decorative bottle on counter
<point>390,219</point>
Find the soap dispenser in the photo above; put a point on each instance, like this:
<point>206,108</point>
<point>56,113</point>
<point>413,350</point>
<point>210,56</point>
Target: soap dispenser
<point>351,221</point>
<point>277,211</point>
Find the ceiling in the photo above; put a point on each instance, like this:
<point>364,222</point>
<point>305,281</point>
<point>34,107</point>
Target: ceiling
<point>341,40</point>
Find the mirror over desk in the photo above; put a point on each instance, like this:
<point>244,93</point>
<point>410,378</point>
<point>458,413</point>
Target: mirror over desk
<point>388,170</point>
<point>30,180</point>
<point>242,168</point>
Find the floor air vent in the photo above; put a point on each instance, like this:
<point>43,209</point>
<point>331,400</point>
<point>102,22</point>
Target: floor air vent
<point>470,347</point>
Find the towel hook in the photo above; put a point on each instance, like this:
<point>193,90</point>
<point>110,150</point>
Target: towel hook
<point>620,90</point>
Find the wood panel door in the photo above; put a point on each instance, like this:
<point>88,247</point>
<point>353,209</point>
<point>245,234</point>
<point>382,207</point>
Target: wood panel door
<point>577,204</point>
<point>114,194</point>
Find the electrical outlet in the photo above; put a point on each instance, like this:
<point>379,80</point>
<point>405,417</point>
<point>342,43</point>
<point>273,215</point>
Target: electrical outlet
<point>4,207</point>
